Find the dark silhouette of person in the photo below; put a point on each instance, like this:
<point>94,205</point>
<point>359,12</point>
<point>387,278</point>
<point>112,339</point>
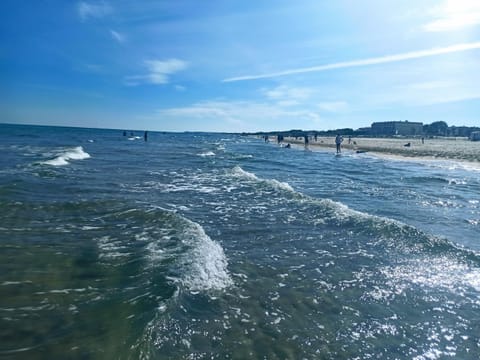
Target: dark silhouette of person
<point>145,135</point>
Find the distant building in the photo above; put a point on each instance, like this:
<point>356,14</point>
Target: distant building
<point>364,131</point>
<point>464,131</point>
<point>390,128</point>
<point>475,136</point>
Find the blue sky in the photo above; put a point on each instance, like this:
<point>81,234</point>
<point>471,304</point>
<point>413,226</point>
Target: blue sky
<point>237,65</point>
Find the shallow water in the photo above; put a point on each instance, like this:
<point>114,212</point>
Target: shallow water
<point>220,246</point>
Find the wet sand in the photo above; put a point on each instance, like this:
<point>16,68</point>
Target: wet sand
<point>438,148</point>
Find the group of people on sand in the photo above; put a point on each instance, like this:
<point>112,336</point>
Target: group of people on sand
<point>338,142</point>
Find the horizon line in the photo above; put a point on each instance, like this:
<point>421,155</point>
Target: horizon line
<point>362,62</point>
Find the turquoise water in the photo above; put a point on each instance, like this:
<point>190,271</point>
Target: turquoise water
<point>196,246</point>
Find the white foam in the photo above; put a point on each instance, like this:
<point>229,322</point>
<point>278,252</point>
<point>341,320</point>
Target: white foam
<point>239,172</point>
<point>457,182</point>
<point>440,273</point>
<point>111,248</point>
<point>200,263</point>
<point>206,261</point>
<point>280,185</point>
<point>448,164</point>
<point>76,153</point>
<point>207,153</point>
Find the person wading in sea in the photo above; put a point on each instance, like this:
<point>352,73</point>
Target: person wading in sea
<point>338,142</point>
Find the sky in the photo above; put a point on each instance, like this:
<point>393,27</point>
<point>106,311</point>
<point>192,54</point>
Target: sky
<point>239,66</point>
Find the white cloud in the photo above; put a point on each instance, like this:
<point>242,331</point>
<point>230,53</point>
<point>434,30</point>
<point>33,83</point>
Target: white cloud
<point>333,106</point>
<point>423,93</point>
<point>454,15</point>
<point>242,114</point>
<point>363,62</point>
<point>287,96</point>
<point>429,85</point>
<point>439,92</point>
<point>159,71</point>
<point>117,36</point>
<point>93,10</point>
<point>301,97</point>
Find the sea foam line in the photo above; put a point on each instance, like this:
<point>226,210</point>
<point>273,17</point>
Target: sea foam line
<point>76,153</point>
<point>338,211</point>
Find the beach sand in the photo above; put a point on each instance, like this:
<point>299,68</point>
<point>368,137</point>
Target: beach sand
<point>438,148</point>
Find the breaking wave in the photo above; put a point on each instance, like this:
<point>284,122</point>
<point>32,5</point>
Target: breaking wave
<point>176,245</point>
<point>239,172</point>
<point>63,158</point>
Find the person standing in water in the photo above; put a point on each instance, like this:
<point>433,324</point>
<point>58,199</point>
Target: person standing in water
<point>338,142</point>
<point>145,135</point>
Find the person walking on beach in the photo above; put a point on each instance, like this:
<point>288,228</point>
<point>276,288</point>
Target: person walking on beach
<point>338,142</point>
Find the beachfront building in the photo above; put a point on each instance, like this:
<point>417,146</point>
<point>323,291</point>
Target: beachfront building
<point>390,128</point>
<point>475,136</point>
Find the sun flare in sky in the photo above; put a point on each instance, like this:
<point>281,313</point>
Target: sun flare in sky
<point>238,65</point>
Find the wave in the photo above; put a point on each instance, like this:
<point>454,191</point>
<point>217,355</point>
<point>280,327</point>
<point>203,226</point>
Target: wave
<point>174,245</point>
<point>436,179</point>
<point>62,159</point>
<point>237,171</point>
<point>385,233</point>
<point>205,262</point>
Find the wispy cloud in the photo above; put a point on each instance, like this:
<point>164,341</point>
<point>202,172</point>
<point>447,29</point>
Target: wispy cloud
<point>88,10</point>
<point>263,115</point>
<point>117,36</point>
<point>333,106</point>
<point>454,15</point>
<point>92,68</point>
<point>285,95</point>
<point>363,62</point>
<point>439,92</point>
<point>159,71</point>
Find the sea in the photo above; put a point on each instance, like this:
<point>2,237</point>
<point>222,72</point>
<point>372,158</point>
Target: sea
<point>221,246</point>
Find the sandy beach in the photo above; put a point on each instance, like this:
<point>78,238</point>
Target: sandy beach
<point>438,148</point>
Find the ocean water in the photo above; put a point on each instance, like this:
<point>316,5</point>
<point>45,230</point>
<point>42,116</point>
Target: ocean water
<point>214,246</point>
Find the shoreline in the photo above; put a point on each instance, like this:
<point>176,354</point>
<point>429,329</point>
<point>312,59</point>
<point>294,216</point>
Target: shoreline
<point>456,149</point>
